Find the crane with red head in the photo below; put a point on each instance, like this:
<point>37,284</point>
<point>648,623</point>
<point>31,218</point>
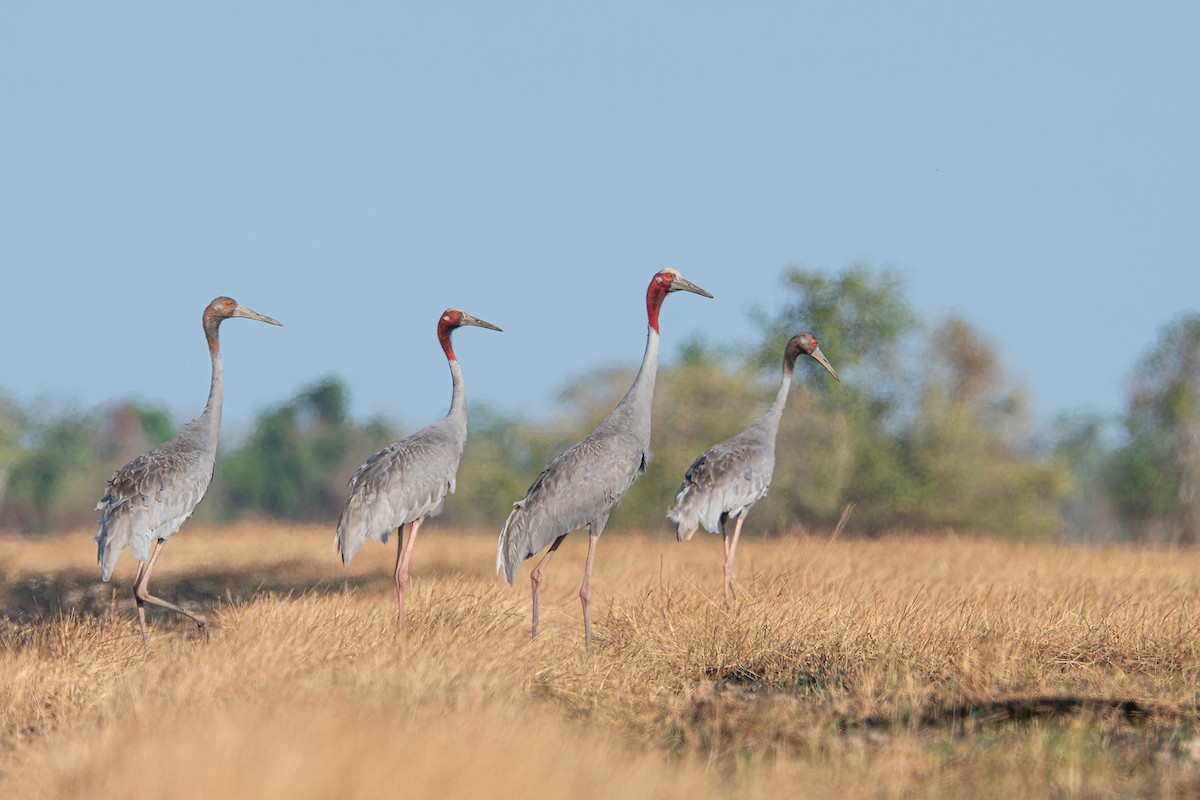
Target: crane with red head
<point>582,486</point>
<point>408,481</point>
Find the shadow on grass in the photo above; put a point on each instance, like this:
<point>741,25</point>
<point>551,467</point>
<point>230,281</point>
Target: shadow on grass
<point>32,598</point>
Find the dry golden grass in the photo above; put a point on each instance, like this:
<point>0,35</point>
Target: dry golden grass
<point>899,667</point>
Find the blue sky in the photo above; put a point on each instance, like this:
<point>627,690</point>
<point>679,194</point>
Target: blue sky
<point>354,168</point>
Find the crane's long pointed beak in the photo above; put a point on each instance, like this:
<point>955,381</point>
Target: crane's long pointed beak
<point>683,283</point>
<point>467,319</point>
<point>824,362</point>
<point>249,313</point>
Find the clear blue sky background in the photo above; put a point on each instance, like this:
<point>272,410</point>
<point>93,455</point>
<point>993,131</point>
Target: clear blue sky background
<point>354,168</point>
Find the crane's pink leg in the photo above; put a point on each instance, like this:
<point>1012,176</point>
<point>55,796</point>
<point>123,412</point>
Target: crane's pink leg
<point>535,578</point>
<point>725,543</point>
<point>396,574</point>
<point>585,592</point>
<point>142,593</point>
<point>402,565</point>
<point>141,605</point>
<point>730,549</point>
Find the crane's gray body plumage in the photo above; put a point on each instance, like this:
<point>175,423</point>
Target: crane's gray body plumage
<point>149,498</point>
<point>407,480</point>
<point>582,485</point>
<point>730,477</point>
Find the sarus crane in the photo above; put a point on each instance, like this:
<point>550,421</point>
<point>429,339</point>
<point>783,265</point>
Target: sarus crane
<point>408,481</point>
<point>585,483</point>
<point>727,479</point>
<point>149,498</point>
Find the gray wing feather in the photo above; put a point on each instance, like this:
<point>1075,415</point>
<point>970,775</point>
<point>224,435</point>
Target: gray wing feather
<point>406,481</point>
<point>725,480</point>
<point>150,498</point>
<point>579,487</point>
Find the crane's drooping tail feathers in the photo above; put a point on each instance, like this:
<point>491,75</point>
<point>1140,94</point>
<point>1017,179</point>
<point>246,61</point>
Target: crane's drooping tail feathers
<point>506,554</point>
<point>347,544</point>
<point>361,518</point>
<point>121,526</point>
<point>696,506</point>
<point>375,508</point>
<point>683,515</point>
<point>364,512</point>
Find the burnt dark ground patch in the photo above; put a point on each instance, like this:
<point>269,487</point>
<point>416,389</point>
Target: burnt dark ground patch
<point>739,712</point>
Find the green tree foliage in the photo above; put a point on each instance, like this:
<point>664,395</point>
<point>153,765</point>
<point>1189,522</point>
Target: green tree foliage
<point>65,456</point>
<point>1081,442</point>
<point>968,448</point>
<point>1155,477</point>
<point>297,460</point>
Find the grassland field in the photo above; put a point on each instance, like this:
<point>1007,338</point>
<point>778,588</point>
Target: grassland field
<point>903,666</point>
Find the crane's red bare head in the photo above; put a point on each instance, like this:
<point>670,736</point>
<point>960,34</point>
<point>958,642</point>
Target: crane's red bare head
<point>662,284</point>
<point>222,308</point>
<point>805,344</point>
<point>455,318</point>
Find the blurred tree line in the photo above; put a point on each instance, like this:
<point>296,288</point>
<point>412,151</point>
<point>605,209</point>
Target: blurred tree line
<point>925,432</point>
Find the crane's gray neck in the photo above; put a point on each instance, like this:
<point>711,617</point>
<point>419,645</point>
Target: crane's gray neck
<point>458,400</point>
<point>775,411</point>
<point>640,397</point>
<point>211,416</point>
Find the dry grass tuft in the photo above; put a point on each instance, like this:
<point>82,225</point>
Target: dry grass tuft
<point>905,666</point>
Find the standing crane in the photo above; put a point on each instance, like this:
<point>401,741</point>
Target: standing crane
<point>727,479</point>
<point>585,483</point>
<point>408,481</point>
<point>149,498</point>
